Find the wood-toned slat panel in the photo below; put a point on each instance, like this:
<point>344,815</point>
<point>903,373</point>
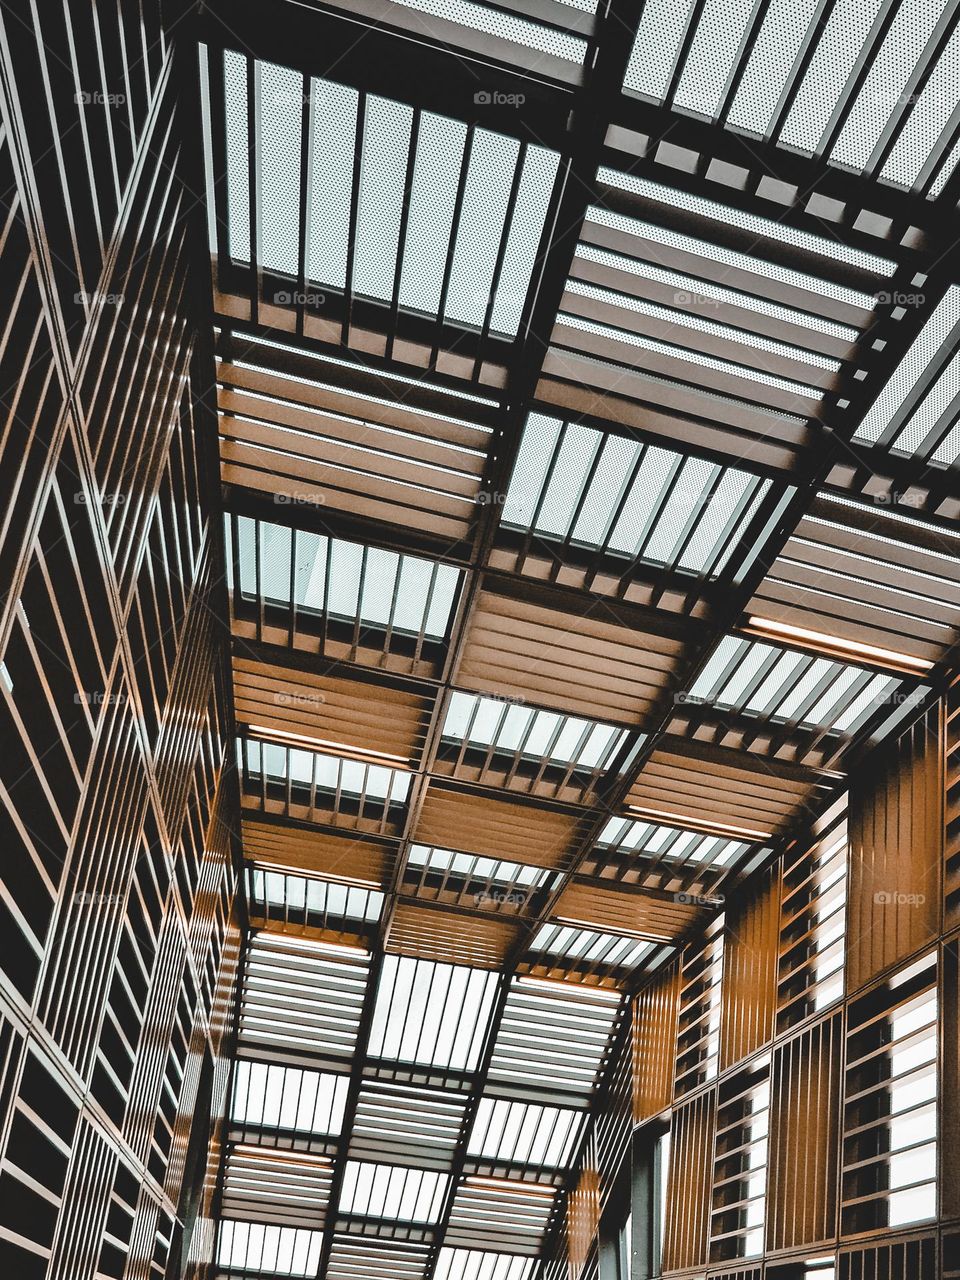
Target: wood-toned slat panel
<point>689,1186</point>
<point>345,856</point>
<point>721,790</point>
<point>750,969</point>
<point>366,714</point>
<point>526,833</point>
<point>626,911</point>
<point>896,851</point>
<point>584,665</point>
<point>451,937</point>
<point>804,1135</point>
<point>655,1012</point>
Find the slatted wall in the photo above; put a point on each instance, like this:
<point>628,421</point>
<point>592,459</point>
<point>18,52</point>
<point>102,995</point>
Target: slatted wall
<point>117,904</point>
<point>832,962</point>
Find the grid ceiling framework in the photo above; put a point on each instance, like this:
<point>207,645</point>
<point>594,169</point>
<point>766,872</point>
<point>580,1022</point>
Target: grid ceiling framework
<point>589,402</point>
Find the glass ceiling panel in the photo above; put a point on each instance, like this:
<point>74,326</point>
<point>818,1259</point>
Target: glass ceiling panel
<point>312,897</point>
<point>590,946</point>
<point>554,1034</point>
<point>476,1264</point>
<point>747,675</point>
<point>323,772</point>
<point>440,263</point>
<point>270,1096</point>
<point>433,1014</point>
<point>474,867</point>
<point>509,26</point>
<point>882,92</point>
<point>828,72</point>
<point>770,63</point>
<point>345,579</point>
<point>628,498</point>
<point>256,1246</point>
<point>930,428</point>
<point>655,841</point>
<point>708,65</point>
<point>541,735</point>
<point>524,1133</point>
<point>389,1192</point>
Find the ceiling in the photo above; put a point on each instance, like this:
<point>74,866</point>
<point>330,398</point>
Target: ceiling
<point>589,418</point>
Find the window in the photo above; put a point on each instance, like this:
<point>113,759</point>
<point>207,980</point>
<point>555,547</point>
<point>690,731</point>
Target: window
<point>390,1191</point>
<point>698,1038</point>
<point>740,1164</point>
<point>890,1107</point>
<point>812,928</point>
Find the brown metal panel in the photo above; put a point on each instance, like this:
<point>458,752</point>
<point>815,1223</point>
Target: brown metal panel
<point>690,1182</point>
<point>896,851</point>
<point>655,1012</point>
<point>804,1137</point>
<point>750,968</point>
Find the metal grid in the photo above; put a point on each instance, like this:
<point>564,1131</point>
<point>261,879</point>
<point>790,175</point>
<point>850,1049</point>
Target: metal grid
<point>556,488</point>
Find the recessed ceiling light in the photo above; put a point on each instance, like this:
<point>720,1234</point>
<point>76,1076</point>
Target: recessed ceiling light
<point>833,644</point>
<point>714,828</point>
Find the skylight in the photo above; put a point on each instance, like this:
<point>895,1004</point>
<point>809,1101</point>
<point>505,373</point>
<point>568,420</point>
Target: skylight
<point>670,843</point>
<point>270,1096</point>
<point>345,580</point>
<point>590,946</point>
<point>554,1035</point>
<point>320,771</point>
<point>513,728</point>
<point>476,1264</point>
<point>295,895</point>
<point>392,1192</point>
<point>489,260</point>
<point>745,675</point>
<point>474,867</point>
<point>429,1013</point>
<point>524,1133</point>
<point>927,423</point>
<point>629,498</point>
<point>507,25</point>
<point>256,1246</point>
